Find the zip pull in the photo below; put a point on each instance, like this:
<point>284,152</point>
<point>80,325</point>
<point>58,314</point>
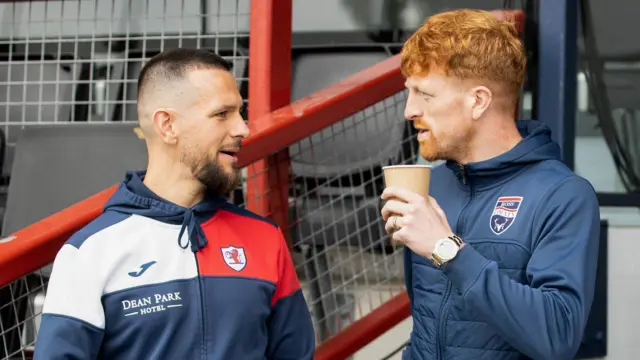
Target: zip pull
<point>463,174</point>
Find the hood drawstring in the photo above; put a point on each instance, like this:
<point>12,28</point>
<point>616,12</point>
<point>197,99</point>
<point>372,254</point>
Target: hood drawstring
<point>195,234</point>
<point>134,197</point>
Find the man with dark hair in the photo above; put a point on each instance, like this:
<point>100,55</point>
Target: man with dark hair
<point>171,270</point>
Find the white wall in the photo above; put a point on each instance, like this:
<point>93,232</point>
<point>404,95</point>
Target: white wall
<point>623,336</point>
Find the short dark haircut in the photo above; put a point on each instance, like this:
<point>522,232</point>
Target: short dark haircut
<point>175,63</point>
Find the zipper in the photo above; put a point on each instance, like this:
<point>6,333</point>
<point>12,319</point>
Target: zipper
<point>203,323</point>
<point>463,173</point>
<point>445,304</point>
<point>442,321</point>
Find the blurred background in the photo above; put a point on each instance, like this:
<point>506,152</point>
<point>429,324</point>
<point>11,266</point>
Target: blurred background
<point>68,74</point>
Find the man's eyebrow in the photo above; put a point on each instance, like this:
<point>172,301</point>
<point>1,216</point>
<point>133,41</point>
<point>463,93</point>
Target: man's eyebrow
<point>424,92</point>
<point>411,86</point>
<point>417,88</point>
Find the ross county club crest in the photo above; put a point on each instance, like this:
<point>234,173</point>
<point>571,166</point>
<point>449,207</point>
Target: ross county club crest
<point>234,257</point>
<point>504,213</point>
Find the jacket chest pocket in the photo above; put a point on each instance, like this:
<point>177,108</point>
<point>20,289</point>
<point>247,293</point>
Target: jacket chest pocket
<point>512,257</point>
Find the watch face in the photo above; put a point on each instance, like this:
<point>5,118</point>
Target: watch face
<point>447,249</point>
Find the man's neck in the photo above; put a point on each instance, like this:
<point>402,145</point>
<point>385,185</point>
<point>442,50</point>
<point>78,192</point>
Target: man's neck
<point>174,184</point>
<point>493,141</point>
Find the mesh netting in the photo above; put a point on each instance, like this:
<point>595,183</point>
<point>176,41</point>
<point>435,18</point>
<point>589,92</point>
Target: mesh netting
<point>78,61</point>
<point>343,256</point>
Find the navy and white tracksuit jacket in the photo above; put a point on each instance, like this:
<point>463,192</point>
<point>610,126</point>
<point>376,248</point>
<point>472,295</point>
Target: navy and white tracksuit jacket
<point>152,280</point>
<point>523,284</point>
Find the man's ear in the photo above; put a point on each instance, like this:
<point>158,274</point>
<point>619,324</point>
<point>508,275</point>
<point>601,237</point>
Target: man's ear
<point>164,125</point>
<point>480,99</point>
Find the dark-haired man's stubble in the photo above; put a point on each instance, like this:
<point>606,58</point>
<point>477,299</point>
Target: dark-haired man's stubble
<point>209,171</point>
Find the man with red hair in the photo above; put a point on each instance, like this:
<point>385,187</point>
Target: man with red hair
<point>500,261</point>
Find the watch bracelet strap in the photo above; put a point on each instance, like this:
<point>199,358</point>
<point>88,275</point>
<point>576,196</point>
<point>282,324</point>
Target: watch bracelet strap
<point>456,239</point>
<point>436,260</point>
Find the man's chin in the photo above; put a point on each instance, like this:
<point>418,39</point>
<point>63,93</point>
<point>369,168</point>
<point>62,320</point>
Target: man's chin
<point>231,171</point>
<point>221,180</point>
<point>234,177</point>
<point>429,154</point>
<point>431,158</point>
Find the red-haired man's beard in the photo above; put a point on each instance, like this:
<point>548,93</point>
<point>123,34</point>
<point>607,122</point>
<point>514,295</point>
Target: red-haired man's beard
<point>444,146</point>
<point>429,148</point>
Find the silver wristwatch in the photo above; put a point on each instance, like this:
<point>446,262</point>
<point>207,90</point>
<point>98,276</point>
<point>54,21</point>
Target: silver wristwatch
<point>446,249</point>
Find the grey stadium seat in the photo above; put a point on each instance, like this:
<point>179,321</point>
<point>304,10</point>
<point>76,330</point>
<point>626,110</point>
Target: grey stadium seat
<point>58,165</point>
<point>25,87</point>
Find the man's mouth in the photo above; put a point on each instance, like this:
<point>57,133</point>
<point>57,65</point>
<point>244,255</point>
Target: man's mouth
<point>423,134</point>
<point>230,153</point>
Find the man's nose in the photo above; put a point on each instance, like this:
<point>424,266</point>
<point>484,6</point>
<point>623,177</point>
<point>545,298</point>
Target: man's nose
<point>411,110</point>
<point>240,128</point>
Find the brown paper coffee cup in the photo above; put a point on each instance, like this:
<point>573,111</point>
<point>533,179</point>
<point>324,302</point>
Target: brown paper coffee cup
<point>415,178</point>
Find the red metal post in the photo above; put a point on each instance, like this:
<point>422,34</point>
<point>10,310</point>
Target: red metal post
<point>269,89</point>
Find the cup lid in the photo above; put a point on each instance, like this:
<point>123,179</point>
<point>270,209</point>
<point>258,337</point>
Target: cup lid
<point>406,166</point>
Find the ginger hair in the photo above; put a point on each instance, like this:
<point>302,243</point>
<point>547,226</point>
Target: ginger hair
<point>468,44</point>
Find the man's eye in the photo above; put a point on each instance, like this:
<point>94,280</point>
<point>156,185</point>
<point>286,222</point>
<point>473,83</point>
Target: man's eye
<point>222,114</point>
